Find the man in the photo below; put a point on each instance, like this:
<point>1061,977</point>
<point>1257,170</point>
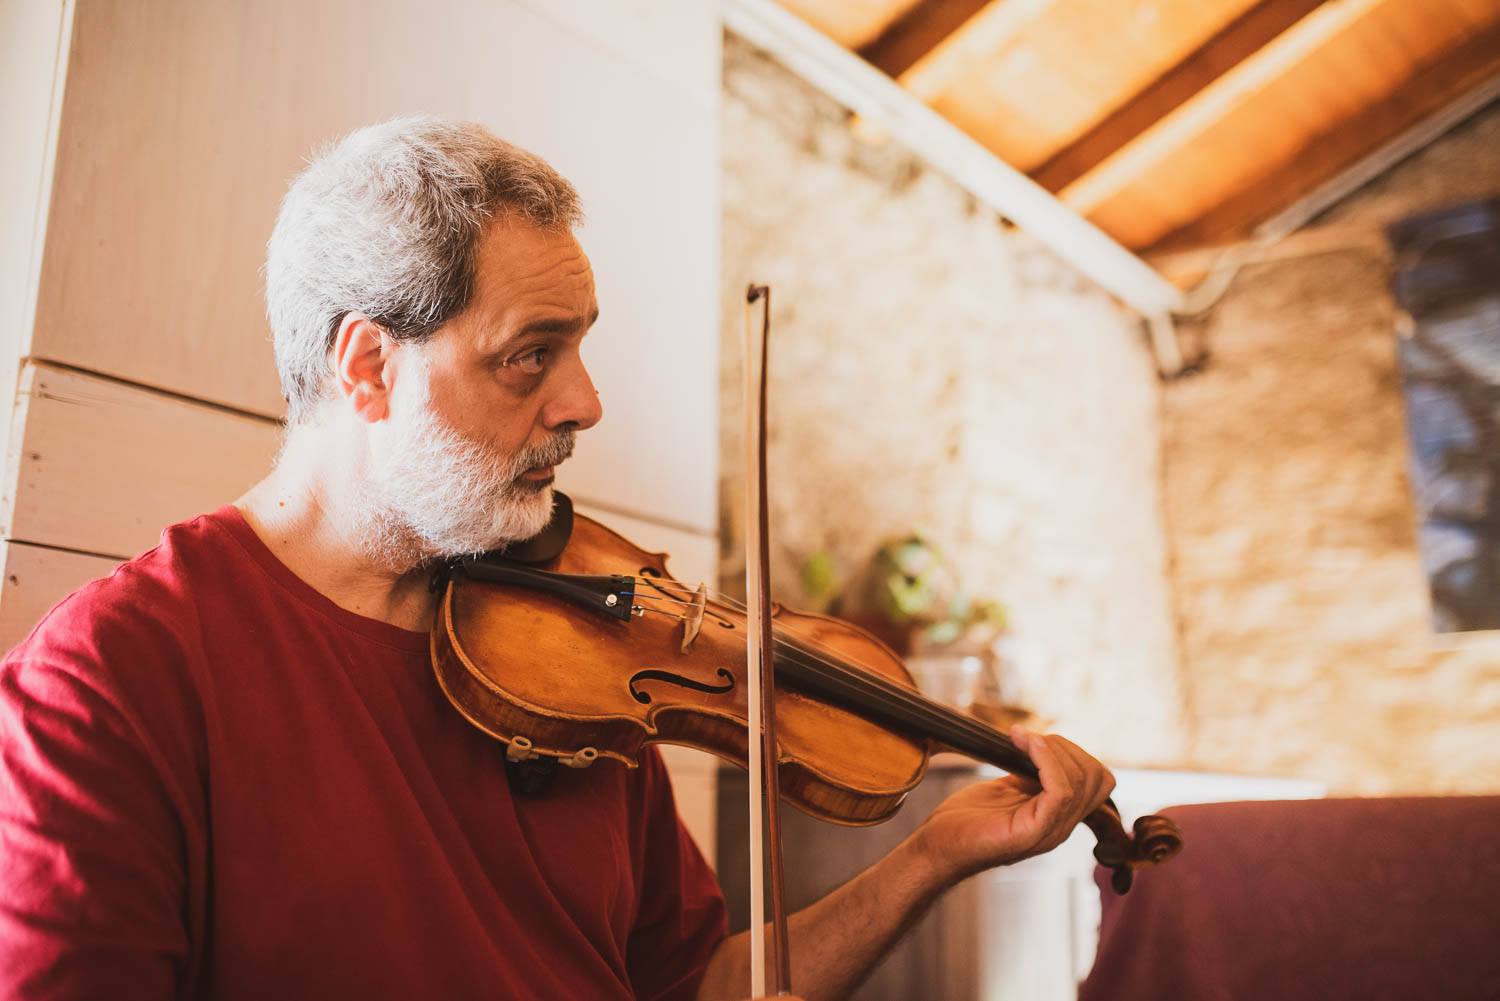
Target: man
<point>226,770</point>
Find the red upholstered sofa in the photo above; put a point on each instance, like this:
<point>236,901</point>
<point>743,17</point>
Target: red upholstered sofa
<point>1327,899</point>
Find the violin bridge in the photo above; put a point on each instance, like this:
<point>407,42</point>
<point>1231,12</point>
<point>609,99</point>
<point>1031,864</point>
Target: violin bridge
<point>692,619</point>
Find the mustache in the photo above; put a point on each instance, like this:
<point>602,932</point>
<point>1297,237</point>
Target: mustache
<point>551,452</point>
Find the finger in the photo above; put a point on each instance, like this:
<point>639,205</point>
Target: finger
<point>1072,758</point>
<point>1035,812</point>
<point>1093,781</point>
<point>1103,784</point>
<point>1074,805</point>
<point>1057,784</point>
<point>1021,737</point>
<point>1054,811</point>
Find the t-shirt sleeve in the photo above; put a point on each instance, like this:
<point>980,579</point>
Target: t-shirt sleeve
<point>681,919</point>
<point>91,848</point>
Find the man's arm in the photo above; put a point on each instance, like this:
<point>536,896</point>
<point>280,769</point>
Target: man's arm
<point>837,941</point>
<point>92,878</point>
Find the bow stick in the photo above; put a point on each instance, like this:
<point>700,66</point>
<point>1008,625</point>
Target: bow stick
<point>764,793</point>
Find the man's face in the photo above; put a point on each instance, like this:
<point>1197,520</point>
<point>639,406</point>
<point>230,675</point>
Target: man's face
<point>484,408</point>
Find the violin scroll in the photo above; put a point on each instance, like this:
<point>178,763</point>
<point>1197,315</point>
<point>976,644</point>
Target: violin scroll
<point>1155,840</point>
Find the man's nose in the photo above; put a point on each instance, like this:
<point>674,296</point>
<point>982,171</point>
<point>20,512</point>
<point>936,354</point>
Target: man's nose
<point>578,404</point>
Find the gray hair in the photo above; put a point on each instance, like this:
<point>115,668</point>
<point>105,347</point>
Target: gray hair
<point>386,221</point>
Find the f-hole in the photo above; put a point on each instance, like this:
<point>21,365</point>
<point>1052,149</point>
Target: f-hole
<point>644,698</point>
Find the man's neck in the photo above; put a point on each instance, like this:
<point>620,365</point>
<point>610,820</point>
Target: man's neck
<point>304,512</point>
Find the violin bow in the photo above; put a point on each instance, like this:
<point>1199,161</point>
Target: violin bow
<point>765,842</point>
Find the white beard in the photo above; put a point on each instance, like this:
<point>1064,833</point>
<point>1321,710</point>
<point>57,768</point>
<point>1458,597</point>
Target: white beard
<point>432,493</point>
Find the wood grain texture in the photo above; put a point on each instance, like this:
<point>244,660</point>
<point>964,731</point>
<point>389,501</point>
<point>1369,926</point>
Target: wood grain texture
<point>920,30</point>
<point>102,467</point>
<point>1433,85</point>
<point>1027,79</point>
<point>561,709</point>
<point>1174,139</point>
<point>1335,66</point>
<point>851,23</point>
<point>693,556</point>
<point>36,578</point>
<point>1232,45</point>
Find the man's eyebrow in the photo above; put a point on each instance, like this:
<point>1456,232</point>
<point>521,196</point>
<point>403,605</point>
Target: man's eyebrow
<point>559,325</point>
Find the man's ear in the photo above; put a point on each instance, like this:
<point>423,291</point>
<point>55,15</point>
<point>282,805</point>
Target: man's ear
<point>361,350</point>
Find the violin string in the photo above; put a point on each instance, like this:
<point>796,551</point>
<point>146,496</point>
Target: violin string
<point>872,685</point>
<point>813,658</point>
<point>831,661</point>
<point>939,717</point>
<point>828,658</point>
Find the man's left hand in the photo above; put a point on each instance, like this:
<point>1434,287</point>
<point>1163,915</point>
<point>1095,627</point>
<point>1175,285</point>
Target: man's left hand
<point>1013,818</point>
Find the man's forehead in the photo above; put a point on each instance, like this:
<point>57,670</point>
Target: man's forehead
<point>524,270</point>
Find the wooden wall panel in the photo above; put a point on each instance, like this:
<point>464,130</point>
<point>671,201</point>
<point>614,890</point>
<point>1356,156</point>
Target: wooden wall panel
<point>32,39</point>
<point>155,395</point>
<point>36,578</point>
<point>170,169</point>
<point>671,41</point>
<point>102,467</point>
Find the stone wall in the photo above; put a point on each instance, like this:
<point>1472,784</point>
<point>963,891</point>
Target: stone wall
<point>936,370</point>
<point>1304,619</point>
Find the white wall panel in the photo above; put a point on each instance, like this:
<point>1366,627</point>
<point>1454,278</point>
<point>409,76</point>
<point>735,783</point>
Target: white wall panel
<point>185,119</point>
<point>33,37</point>
<point>677,41</point>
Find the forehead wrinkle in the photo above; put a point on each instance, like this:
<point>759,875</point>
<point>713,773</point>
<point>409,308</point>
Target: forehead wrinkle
<point>549,278</point>
<point>526,276</point>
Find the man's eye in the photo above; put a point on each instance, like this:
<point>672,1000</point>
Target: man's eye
<point>532,362</point>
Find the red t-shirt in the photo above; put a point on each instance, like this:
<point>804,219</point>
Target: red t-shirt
<point>216,782</point>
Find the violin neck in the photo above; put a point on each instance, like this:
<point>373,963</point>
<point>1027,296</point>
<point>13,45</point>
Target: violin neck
<point>897,706</point>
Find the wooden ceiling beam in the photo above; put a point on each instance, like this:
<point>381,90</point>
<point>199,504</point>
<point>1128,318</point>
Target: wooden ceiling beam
<point>1236,42</point>
<point>866,91</point>
<point>1435,85</point>
<point>920,30</point>
<point>1209,106</point>
<point>852,23</point>
<point>974,41</point>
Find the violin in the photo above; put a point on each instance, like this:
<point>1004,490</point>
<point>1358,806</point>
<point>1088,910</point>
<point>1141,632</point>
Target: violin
<point>578,645</point>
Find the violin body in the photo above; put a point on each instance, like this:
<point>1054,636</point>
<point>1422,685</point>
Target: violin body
<point>578,645</point>
<point>576,685</point>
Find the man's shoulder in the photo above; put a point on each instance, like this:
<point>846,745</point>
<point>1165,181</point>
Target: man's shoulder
<point>124,654</point>
<point>150,602</point>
